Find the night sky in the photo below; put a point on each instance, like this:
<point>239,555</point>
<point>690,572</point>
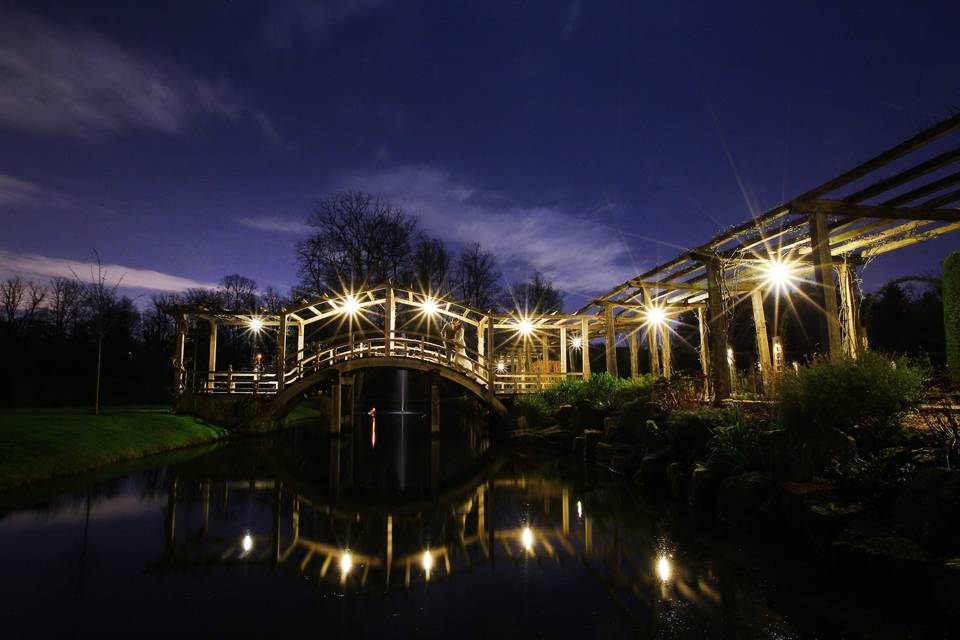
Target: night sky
<point>587,140</point>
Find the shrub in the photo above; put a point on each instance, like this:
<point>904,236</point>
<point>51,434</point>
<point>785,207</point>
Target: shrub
<point>533,408</point>
<point>737,444</point>
<point>864,398</point>
<point>951,312</point>
<point>690,431</point>
<point>602,391</point>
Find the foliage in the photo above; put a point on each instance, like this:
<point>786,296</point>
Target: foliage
<point>737,444</point>
<point>864,398</point>
<point>678,393</point>
<point>532,407</point>
<point>602,391</point>
<point>943,423</point>
<point>538,295</point>
<point>36,444</point>
<point>951,312</point>
<point>690,431</point>
<point>476,278</point>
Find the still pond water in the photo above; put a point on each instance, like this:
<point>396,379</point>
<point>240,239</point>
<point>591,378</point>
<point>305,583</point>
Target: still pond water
<point>385,533</point>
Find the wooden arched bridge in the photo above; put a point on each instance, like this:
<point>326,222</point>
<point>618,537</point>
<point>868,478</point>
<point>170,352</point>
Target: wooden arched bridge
<point>821,238</point>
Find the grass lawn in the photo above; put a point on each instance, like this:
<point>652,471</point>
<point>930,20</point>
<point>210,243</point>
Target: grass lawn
<point>38,444</point>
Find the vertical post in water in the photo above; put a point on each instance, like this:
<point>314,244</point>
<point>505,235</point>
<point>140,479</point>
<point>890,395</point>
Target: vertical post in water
<point>434,406</point>
<point>335,400</point>
<point>610,327</point>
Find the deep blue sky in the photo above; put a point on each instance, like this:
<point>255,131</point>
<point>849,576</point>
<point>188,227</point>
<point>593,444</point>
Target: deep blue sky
<point>588,140</point>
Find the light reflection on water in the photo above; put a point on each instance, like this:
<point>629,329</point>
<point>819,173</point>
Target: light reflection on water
<point>256,537</point>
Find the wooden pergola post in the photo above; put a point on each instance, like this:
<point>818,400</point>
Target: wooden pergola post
<point>704,351</point>
<point>665,346</point>
<point>652,348</point>
<point>212,355</point>
<point>300,336</point>
<point>179,350</point>
<point>634,353</point>
<point>717,322</point>
<point>282,351</point>
<point>491,359</point>
<point>563,349</point>
<point>610,328</point>
<point>585,348</point>
<point>434,406</point>
<point>611,339</point>
<point>763,344</point>
<point>389,322</point>
<point>849,306</point>
<point>826,289</point>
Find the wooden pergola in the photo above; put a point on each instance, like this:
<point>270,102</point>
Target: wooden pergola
<point>899,198</point>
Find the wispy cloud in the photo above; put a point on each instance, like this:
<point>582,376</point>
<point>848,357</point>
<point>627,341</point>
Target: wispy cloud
<point>15,192</point>
<point>580,256</point>
<point>76,82</point>
<point>276,224</point>
<point>31,265</point>
<point>289,21</point>
<point>573,19</point>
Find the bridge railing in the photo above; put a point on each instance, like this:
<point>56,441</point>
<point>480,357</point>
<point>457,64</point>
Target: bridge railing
<point>402,344</point>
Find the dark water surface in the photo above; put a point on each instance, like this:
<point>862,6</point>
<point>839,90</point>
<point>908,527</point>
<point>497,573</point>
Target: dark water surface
<point>300,532</point>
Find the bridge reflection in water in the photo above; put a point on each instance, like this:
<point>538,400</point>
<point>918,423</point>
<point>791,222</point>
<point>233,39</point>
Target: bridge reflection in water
<point>346,541</point>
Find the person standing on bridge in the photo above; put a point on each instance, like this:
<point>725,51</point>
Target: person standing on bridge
<point>448,335</point>
<point>461,344</point>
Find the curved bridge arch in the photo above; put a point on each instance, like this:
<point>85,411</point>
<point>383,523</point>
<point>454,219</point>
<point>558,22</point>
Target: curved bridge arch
<point>290,395</point>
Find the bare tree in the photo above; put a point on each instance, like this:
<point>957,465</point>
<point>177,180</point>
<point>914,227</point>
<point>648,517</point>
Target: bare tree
<point>272,300</point>
<point>66,296</point>
<point>12,291</point>
<point>239,292</point>
<point>359,240</point>
<point>431,265</point>
<point>100,301</point>
<point>477,278</point>
<point>36,294</point>
<point>538,295</point>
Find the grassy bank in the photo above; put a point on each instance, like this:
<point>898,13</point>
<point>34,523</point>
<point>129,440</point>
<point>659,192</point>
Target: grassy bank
<point>39,444</point>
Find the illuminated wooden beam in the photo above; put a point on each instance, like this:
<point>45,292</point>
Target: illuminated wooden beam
<point>838,208</point>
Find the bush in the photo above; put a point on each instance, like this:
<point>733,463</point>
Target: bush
<point>737,444</point>
<point>690,431</point>
<point>602,391</point>
<point>533,408</point>
<point>864,398</point>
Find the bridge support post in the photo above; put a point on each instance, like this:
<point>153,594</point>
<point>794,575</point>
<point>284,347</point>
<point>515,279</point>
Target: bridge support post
<point>634,353</point>
<point>763,343</point>
<point>300,354</point>
<point>490,359</point>
<point>826,290</point>
<point>335,398</point>
<point>585,348</point>
<point>434,406</point>
<point>719,365</point>
<point>652,337</point>
<point>611,339</point>
<point>178,355</point>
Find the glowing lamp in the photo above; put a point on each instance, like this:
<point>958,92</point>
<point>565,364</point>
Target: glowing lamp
<point>655,316</point>
<point>429,306</point>
<point>256,325</point>
<point>664,570</point>
<point>351,306</point>
<point>501,366</point>
<point>526,538</point>
<point>777,274</point>
<point>525,327</point>
<point>346,563</point>
<point>576,342</point>
<point>247,543</point>
<point>427,561</point>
